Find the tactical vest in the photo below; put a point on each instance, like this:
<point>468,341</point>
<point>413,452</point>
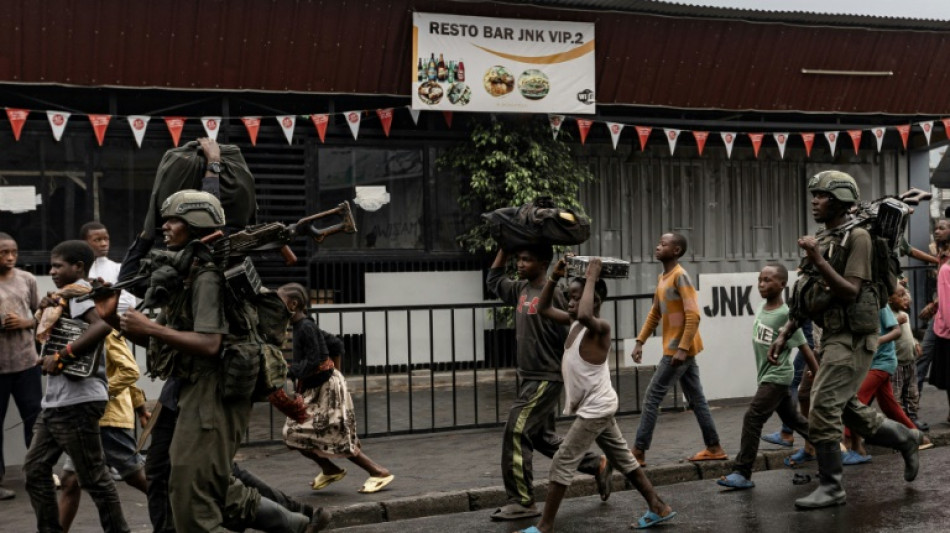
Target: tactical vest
<point>811,298</point>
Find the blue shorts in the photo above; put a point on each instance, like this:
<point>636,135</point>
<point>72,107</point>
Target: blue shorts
<point>118,444</point>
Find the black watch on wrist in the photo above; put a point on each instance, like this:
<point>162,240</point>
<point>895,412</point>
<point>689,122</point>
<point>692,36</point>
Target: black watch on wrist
<point>215,167</point>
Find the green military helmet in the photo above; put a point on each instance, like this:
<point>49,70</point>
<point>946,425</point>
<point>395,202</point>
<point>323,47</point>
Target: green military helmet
<point>836,183</point>
<point>197,208</point>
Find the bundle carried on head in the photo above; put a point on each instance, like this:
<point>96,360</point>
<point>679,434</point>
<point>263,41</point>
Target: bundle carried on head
<point>539,222</point>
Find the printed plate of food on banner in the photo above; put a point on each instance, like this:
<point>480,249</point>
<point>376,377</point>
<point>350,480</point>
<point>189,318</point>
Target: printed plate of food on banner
<point>533,66</point>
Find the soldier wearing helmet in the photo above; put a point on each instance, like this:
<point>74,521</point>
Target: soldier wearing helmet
<point>837,272</point>
<point>186,343</point>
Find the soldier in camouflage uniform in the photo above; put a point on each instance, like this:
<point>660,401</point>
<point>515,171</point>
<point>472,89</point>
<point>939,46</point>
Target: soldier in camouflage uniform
<point>836,290</point>
<point>185,344</point>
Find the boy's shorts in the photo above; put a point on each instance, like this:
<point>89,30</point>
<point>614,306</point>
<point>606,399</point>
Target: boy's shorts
<point>118,444</point>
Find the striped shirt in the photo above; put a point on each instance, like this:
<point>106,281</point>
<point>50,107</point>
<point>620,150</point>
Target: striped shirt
<point>676,304</point>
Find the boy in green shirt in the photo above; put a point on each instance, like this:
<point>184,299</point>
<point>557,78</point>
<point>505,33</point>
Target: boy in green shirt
<point>774,375</point>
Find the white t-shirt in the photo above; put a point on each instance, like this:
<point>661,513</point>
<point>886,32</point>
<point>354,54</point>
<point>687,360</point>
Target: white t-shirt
<point>108,270</point>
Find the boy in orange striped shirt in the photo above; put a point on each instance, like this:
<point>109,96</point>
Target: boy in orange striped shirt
<point>676,305</point>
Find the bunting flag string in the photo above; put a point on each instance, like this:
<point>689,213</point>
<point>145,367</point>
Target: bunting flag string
<point>58,121</point>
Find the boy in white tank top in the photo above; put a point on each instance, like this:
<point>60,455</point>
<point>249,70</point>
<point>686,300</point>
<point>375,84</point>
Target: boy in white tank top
<point>590,396</point>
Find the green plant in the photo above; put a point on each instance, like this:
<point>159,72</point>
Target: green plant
<point>510,163</point>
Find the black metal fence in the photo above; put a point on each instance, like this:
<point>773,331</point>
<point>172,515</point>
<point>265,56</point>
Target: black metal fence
<point>418,369</point>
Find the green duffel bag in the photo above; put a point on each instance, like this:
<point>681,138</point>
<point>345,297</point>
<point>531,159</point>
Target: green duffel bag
<point>184,167</point>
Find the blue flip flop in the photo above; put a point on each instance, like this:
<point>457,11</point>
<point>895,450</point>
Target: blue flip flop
<point>531,529</point>
<point>651,519</point>
<point>736,481</point>
<point>776,438</point>
<point>798,458</point>
<point>851,457</point>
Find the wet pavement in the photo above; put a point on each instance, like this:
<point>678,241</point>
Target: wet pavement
<point>878,501</point>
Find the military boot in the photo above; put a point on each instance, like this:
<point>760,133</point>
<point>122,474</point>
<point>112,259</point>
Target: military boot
<point>829,491</point>
<point>273,518</point>
<point>894,435</point>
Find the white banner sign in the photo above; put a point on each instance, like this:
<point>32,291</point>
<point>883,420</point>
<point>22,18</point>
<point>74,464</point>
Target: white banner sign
<point>497,65</point>
<point>728,303</point>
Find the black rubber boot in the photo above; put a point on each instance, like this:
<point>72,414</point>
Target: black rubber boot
<point>273,518</point>
<point>829,491</point>
<point>894,435</point>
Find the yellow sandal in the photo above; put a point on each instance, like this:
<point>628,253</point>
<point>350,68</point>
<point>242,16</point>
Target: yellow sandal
<point>323,480</point>
<point>376,484</point>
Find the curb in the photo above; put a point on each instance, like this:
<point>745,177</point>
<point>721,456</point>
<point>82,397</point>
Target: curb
<point>464,501</point>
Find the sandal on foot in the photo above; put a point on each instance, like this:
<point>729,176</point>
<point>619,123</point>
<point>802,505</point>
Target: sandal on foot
<point>735,480</point>
<point>852,457</point>
<point>515,511</point>
<point>776,438</point>
<point>604,478</point>
<point>706,455</point>
<point>321,481</point>
<point>798,458</point>
<point>651,519</point>
<point>532,529</point>
<point>376,484</point>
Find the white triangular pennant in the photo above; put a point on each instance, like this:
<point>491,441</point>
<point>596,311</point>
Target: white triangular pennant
<point>138,123</point>
<point>57,121</point>
<point>287,124</point>
<point>615,129</point>
<point>353,120</point>
<point>415,115</point>
<point>832,137</point>
<point>672,136</point>
<point>212,126</point>
<point>781,139</point>
<point>729,139</point>
<point>878,133</point>
<point>928,128</point>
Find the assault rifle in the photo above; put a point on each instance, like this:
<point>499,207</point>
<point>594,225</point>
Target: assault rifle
<point>161,272</point>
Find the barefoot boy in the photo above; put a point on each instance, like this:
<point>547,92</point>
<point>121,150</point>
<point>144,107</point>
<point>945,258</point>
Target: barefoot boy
<point>590,396</point>
<point>676,305</point>
<point>774,375</point>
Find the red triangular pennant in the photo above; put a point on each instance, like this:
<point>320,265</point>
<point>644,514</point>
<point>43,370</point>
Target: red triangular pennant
<point>643,132</point>
<point>701,137</point>
<point>386,118</point>
<point>320,122</point>
<point>584,126</point>
<point>99,125</point>
<point>448,118</point>
<point>809,140</point>
<point>756,139</point>
<point>253,126</point>
<point>855,139</point>
<point>946,126</point>
<point>17,120</point>
<point>175,125</point>
<point>904,130</point>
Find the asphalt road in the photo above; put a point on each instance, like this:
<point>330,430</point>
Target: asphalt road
<point>878,501</point>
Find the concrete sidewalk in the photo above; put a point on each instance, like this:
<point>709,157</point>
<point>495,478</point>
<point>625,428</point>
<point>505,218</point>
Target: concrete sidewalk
<point>459,471</point>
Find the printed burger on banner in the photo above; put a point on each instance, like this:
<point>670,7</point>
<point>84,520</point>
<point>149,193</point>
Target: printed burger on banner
<point>498,65</point>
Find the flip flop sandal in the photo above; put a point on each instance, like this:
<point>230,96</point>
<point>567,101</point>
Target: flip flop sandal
<point>926,446</point>
<point>531,529</point>
<point>852,458</point>
<point>801,479</point>
<point>736,481</point>
<point>705,455</point>
<point>376,484</point>
<point>515,511</point>
<point>651,519</point>
<point>321,481</point>
<point>798,458</point>
<point>776,438</point>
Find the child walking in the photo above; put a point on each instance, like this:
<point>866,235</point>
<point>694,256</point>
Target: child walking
<point>330,428</point>
<point>904,380</point>
<point>676,305</point>
<point>590,396</point>
<point>774,375</point>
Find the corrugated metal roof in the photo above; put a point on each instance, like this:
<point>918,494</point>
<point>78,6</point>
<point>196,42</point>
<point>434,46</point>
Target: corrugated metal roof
<point>350,47</point>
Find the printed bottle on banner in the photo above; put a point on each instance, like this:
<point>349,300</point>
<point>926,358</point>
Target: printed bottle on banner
<point>421,70</point>
<point>451,71</point>
<point>460,75</point>
<point>432,71</point>
<point>441,68</point>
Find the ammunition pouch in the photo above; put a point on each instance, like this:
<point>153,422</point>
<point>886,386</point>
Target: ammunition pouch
<point>864,312</point>
<point>242,364</point>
